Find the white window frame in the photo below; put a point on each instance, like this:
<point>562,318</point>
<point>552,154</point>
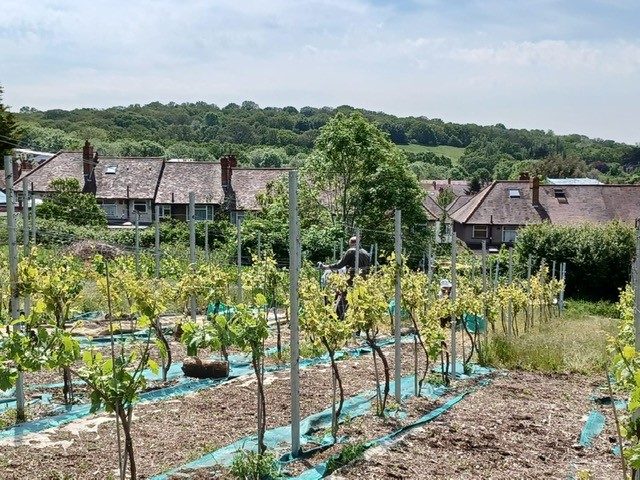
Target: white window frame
<point>200,209</point>
<point>138,203</point>
<point>165,211</point>
<point>514,193</point>
<point>110,209</point>
<point>509,234</point>
<point>479,228</point>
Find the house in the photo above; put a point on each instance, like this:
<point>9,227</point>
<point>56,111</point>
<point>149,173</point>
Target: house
<point>125,187</point>
<point>496,213</point>
<point>244,186</point>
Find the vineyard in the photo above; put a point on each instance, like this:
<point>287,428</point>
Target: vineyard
<point>135,363</point>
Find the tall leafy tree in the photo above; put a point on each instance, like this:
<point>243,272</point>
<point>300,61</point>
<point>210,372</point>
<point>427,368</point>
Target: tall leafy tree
<point>9,131</point>
<point>363,176</point>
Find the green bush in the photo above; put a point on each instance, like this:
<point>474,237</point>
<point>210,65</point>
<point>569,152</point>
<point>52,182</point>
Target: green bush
<point>598,257</point>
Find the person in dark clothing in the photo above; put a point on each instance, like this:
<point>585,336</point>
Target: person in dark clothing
<point>348,262</point>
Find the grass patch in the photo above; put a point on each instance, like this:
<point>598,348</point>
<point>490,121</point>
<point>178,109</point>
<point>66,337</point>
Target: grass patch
<point>582,308</point>
<point>572,344</point>
<point>249,466</point>
<point>454,153</point>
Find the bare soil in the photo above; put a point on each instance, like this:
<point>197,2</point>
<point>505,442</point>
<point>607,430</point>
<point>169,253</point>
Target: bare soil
<point>519,425</point>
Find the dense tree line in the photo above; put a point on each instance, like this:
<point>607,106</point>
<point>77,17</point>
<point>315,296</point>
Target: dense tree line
<point>273,136</point>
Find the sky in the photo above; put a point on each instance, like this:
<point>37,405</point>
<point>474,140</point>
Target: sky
<point>570,66</point>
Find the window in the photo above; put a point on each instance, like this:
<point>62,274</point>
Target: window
<point>140,206</point>
<point>165,211</point>
<point>111,169</point>
<point>480,231</point>
<point>509,234</point>
<point>203,212</point>
<point>111,209</point>
<point>514,193</point>
<point>559,193</point>
<point>237,217</point>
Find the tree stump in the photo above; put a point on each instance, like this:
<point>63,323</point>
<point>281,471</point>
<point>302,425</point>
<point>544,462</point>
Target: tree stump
<point>197,368</point>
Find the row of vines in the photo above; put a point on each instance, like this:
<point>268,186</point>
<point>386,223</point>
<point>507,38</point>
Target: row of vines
<point>135,300</point>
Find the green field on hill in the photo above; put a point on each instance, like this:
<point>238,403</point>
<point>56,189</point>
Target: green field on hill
<point>454,153</point>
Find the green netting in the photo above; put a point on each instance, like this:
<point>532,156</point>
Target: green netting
<point>475,322</point>
<point>279,438</point>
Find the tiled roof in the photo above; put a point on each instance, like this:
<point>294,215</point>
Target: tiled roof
<point>431,207</point>
<point>140,175</point>
<point>180,178</point>
<point>574,181</point>
<point>500,204</point>
<point>135,178</point>
<point>248,182</point>
<point>458,187</point>
<point>458,202</point>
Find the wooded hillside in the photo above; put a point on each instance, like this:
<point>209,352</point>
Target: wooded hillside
<point>279,136</point>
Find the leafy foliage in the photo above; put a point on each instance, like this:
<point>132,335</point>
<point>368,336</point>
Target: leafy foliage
<point>67,202</point>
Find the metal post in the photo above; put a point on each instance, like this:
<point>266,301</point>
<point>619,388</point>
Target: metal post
<point>553,270</point>
<point>137,242</point>
<point>636,309</point>
<point>430,263</point>
<point>375,263</point>
<point>510,312</point>
<point>25,236</point>
<point>206,242</point>
<point>294,272</point>
<point>260,245</point>
<point>192,245</point>
<point>239,260</point>
<point>563,277</point>
<point>356,266</point>
<point>484,288</point>
<point>397,317</point>
<point>453,299</point>
<point>333,258</point>
<point>157,252</point>
<point>33,216</point>
<point>13,271</point>
<point>341,248</point>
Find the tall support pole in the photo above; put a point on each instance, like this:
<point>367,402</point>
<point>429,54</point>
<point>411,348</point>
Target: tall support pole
<point>157,245</point>
<point>137,242</point>
<point>25,235</point>
<point>333,258</point>
<point>356,266</point>
<point>239,259</point>
<point>553,270</point>
<point>397,312</point>
<point>260,245</point>
<point>13,271</point>
<point>636,288</point>
<point>563,277</point>
<point>430,263</point>
<point>206,242</point>
<point>341,248</point>
<point>294,272</point>
<point>484,289</point>
<point>510,312</point>
<point>375,262</point>
<point>192,245</point>
<point>33,216</point>
<point>453,299</point>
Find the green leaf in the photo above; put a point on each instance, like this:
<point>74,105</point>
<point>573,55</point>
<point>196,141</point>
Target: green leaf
<point>153,366</point>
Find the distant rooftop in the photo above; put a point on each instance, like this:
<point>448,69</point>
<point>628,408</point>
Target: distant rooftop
<point>573,181</point>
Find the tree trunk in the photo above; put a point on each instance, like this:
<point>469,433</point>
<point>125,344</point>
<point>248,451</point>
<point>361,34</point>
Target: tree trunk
<point>128,442</point>
<point>385,363</point>
<point>166,362</point>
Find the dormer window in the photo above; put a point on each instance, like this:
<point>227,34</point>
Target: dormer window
<point>111,169</point>
<point>514,193</point>
<point>559,193</point>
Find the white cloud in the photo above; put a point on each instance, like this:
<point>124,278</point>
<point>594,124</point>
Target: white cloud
<point>540,63</point>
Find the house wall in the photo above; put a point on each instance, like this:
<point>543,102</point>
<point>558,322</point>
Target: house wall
<point>465,233</point>
<point>123,210</point>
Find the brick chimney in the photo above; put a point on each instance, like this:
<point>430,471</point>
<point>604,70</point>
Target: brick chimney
<point>87,159</point>
<point>227,164</point>
<point>535,191</point>
<point>89,162</point>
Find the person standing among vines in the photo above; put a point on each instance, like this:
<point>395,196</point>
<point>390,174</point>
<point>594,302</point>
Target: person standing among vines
<point>348,261</point>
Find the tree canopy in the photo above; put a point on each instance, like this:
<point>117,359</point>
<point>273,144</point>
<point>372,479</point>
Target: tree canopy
<point>67,202</point>
<point>9,132</point>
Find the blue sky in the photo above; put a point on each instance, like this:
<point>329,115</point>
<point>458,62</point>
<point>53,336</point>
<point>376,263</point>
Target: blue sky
<point>567,66</point>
